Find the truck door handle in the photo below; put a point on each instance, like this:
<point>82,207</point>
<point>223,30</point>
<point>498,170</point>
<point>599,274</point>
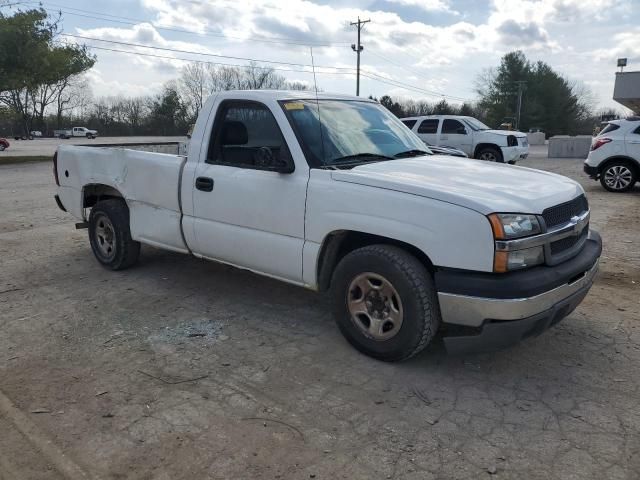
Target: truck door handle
<point>204,183</point>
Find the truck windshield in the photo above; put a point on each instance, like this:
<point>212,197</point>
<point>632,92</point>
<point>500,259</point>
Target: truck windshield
<point>476,124</point>
<point>339,132</point>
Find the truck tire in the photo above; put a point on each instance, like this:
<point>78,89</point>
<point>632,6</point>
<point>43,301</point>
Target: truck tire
<point>384,302</point>
<point>490,154</point>
<point>110,236</point>
<point>618,176</point>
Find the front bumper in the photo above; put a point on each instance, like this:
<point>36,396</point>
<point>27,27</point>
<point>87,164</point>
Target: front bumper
<point>486,312</point>
<point>511,154</point>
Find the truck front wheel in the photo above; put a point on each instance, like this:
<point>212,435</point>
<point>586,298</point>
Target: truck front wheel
<point>110,236</point>
<point>385,302</point>
<point>490,154</point>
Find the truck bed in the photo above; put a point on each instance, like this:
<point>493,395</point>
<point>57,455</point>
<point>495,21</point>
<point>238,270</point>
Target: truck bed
<point>148,182</point>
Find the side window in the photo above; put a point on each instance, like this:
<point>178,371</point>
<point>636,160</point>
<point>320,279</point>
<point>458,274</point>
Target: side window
<point>637,131</point>
<point>429,126</point>
<point>609,128</point>
<point>409,123</point>
<point>246,135</point>
<point>453,126</point>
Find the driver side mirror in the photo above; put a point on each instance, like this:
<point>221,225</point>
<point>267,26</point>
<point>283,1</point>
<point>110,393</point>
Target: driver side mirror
<point>284,164</point>
<point>281,163</point>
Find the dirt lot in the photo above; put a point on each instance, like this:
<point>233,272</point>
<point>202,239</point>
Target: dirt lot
<point>47,146</point>
<point>183,369</point>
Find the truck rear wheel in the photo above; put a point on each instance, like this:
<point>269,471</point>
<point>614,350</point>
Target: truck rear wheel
<point>110,236</point>
<point>384,302</point>
<point>618,176</point>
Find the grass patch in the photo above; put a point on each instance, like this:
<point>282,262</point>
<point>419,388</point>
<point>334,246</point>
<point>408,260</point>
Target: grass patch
<point>35,158</point>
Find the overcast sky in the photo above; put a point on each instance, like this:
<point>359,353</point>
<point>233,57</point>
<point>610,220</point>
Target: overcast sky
<point>438,46</point>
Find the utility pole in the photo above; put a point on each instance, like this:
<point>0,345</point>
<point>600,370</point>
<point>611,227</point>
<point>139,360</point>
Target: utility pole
<point>358,48</point>
<point>521,85</point>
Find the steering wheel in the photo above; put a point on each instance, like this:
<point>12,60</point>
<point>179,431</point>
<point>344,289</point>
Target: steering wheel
<point>263,157</point>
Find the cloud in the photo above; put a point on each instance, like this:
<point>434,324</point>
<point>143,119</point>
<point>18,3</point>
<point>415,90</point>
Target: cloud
<point>444,57</point>
<point>516,34</point>
<point>428,5</point>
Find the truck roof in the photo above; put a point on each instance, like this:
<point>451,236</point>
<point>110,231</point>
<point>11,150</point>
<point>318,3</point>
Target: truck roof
<point>287,95</point>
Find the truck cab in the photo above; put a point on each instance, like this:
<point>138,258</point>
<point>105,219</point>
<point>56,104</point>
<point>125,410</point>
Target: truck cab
<point>333,193</point>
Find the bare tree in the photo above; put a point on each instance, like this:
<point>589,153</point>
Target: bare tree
<point>72,94</point>
<point>194,86</point>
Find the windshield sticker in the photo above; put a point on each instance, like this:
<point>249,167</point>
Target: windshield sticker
<point>294,106</point>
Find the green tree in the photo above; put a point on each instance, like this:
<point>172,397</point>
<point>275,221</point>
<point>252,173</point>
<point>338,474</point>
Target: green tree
<point>169,115</point>
<point>549,101</point>
<point>32,69</point>
<point>391,105</point>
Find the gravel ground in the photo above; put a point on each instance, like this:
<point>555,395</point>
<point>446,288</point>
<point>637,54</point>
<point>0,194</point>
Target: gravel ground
<point>47,146</point>
<point>184,369</point>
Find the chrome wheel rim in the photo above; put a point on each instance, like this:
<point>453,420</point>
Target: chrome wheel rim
<point>618,177</point>
<point>375,306</point>
<point>487,157</point>
<point>105,237</point>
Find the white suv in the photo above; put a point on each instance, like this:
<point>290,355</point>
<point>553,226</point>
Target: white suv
<point>615,155</point>
<point>471,136</point>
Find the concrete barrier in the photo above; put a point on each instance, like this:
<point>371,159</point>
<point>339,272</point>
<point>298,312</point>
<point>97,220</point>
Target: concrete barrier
<point>564,146</point>
<point>536,138</point>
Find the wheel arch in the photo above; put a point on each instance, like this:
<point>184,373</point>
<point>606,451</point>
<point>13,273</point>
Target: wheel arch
<point>483,145</point>
<point>92,193</point>
<point>339,243</point>
<point>619,158</point>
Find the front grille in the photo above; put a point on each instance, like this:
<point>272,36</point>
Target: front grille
<point>560,214</point>
<point>569,242</point>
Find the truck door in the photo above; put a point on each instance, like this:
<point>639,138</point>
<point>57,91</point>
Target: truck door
<point>245,214</point>
<point>455,134</point>
<point>428,131</point>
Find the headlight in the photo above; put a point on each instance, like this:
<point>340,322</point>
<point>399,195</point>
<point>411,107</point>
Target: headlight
<point>507,226</point>
<point>511,226</point>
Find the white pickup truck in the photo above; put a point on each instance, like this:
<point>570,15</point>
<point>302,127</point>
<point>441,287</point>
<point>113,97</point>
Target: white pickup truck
<point>471,136</point>
<point>334,193</point>
<point>75,132</point>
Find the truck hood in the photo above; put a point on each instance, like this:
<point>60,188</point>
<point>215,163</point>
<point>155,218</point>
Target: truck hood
<point>481,186</point>
<point>505,133</point>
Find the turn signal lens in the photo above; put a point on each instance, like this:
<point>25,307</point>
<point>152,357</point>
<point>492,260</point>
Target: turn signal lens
<point>500,262</point>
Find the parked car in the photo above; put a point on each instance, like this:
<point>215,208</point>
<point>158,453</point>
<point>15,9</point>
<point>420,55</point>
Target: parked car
<point>4,144</point>
<point>347,201</point>
<point>36,134</point>
<point>75,132</point>
<point>471,136</point>
<point>614,158</point>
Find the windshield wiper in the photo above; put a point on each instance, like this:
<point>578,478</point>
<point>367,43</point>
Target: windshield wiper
<point>411,153</point>
<point>359,158</point>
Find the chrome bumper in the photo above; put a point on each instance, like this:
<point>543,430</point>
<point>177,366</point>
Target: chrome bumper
<point>473,311</point>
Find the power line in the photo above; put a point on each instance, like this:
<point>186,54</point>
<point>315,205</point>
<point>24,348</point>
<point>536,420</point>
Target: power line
<point>182,59</point>
<point>405,67</point>
<point>176,50</point>
<point>136,21</point>
<point>336,70</point>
